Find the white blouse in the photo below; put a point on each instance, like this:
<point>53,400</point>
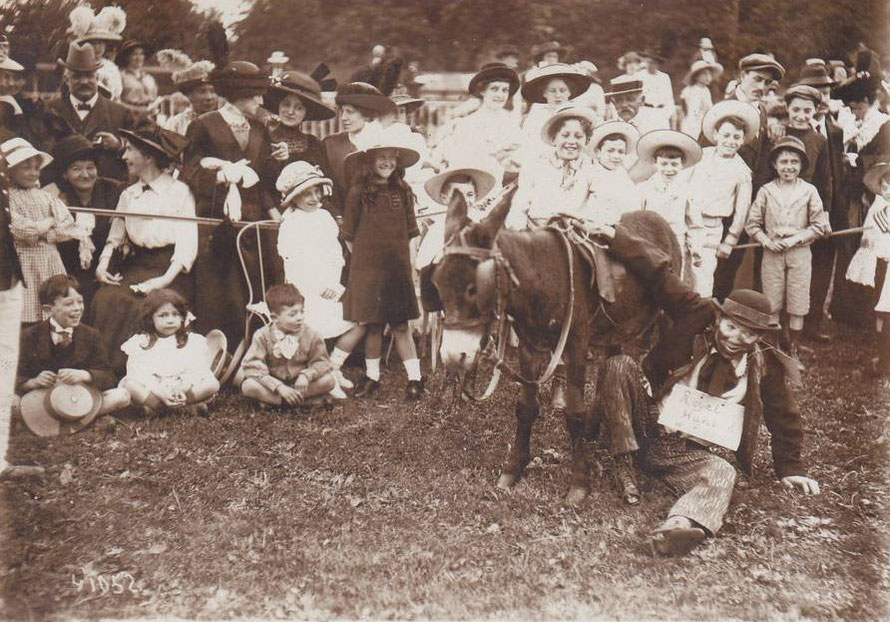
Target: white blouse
<point>477,139</point>
<point>614,193</point>
<point>164,196</point>
<point>312,255</point>
<point>548,186</point>
<point>166,364</point>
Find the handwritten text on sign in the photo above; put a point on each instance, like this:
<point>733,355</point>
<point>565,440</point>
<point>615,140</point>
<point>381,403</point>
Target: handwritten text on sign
<point>702,416</point>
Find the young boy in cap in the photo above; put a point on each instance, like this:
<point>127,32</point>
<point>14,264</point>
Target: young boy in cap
<point>666,192</point>
<point>712,352</point>
<point>786,217</point>
<point>63,349</point>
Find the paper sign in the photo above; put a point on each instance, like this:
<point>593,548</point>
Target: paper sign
<point>703,417</point>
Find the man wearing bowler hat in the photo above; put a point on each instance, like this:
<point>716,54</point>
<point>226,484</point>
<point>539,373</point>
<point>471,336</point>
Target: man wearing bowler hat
<point>90,113</point>
<point>706,384</point>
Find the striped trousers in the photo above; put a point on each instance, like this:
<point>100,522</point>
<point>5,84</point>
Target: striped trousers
<point>702,480</point>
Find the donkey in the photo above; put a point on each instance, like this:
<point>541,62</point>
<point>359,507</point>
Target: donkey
<point>487,272</point>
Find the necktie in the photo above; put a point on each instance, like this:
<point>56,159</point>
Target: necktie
<point>715,376</point>
<point>64,336</point>
<point>84,107</point>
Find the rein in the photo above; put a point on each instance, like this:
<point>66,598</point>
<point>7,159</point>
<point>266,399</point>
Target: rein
<point>505,281</point>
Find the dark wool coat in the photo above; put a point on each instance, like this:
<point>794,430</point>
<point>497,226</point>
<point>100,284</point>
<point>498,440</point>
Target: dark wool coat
<point>768,398</point>
<point>38,354</point>
<point>106,116</point>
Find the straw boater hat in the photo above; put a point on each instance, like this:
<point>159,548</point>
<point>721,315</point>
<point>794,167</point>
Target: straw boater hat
<point>17,150</point>
<point>874,176</point>
<point>483,181</point>
<point>123,55</point>
<point>299,176</point>
<point>566,112</point>
<point>630,134</point>
<point>624,85</point>
<point>107,25</point>
<point>62,409</point>
<point>167,143</point>
<point>750,309</point>
<point>365,96</point>
<point>303,86</point>
<point>494,72</point>
<point>537,79</point>
<point>790,143</point>
<point>81,57</point>
<point>652,141</point>
<point>762,62</point>
<point>185,73</point>
<point>701,65</point>
<point>390,139</point>
<point>745,112</point>
<point>402,99</point>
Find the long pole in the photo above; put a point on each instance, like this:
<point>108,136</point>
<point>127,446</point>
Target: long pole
<point>208,222</point>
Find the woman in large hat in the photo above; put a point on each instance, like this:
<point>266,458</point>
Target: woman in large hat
<point>547,89</point>
<point>696,95</point>
<point>229,157</point>
<point>76,180</point>
<point>161,252</point>
<point>560,178</point>
<point>139,89</point>
<point>296,97</point>
<point>490,138</point>
<point>192,79</point>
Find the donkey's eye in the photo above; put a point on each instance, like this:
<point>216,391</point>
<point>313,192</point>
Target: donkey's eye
<point>471,289</point>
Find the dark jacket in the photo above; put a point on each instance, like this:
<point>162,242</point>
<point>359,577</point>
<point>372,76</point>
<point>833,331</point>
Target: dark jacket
<point>106,116</point>
<point>86,352</point>
<point>687,342</point>
<point>10,268</point>
<point>837,167</point>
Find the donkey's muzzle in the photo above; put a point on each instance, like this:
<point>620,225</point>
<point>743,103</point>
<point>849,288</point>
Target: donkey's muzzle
<point>460,348</point>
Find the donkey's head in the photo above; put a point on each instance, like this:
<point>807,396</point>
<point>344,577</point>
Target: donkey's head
<point>466,280</point>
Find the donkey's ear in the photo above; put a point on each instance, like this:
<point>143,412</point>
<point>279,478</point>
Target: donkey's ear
<point>457,216</point>
<point>492,223</point>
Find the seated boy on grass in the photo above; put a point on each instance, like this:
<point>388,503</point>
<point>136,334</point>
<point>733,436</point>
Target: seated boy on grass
<point>287,362</point>
<point>62,349</point>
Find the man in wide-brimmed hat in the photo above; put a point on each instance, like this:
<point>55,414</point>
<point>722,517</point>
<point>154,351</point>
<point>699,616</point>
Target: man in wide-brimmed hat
<point>90,113</point>
<point>708,382</point>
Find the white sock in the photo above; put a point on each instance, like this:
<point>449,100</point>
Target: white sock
<point>372,368</point>
<point>412,366</point>
<point>338,357</point>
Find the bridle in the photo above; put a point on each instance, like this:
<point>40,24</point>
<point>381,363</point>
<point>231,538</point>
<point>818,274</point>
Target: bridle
<point>505,282</point>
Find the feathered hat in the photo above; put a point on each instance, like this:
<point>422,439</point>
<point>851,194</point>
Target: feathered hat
<point>185,73</point>
<point>107,25</point>
<point>382,76</point>
<point>232,79</point>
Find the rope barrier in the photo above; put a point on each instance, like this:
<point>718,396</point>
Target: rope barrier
<point>208,222</point>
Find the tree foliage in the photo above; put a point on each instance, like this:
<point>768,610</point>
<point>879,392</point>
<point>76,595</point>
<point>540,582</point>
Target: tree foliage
<point>458,35</point>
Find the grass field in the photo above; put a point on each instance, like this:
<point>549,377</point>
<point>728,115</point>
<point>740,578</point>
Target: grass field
<point>382,510</point>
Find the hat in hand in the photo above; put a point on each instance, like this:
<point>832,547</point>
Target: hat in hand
<point>62,409</point>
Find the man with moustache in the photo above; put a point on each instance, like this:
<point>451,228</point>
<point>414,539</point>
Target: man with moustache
<point>90,113</point>
<point>624,101</point>
<point>717,354</point>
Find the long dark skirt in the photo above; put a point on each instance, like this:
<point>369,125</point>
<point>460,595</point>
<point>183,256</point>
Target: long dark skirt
<point>116,309</point>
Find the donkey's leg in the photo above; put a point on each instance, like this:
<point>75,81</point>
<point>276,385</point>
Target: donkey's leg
<point>577,416</point>
<point>527,411</point>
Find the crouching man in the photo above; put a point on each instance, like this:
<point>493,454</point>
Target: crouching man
<point>708,382</point>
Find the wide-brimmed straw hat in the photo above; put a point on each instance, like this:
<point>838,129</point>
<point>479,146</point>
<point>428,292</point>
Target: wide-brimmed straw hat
<point>630,134</point>
<point>483,181</point>
<point>391,139</point>
<point>365,96</point>
<point>494,72</point>
<point>875,174</point>
<point>159,140</point>
<point>402,99</point>
<point>762,62</point>
<point>81,57</point>
<point>297,177</point>
<point>303,86</point>
<point>566,112</point>
<point>62,409</point>
<point>699,66</point>
<point>123,55</point>
<point>750,309</point>
<point>745,112</point>
<point>106,25</point>
<point>537,79</point>
<point>17,150</point>
<point>650,142</point>
<point>791,143</point>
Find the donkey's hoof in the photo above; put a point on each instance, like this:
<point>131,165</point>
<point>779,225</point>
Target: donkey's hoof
<point>507,481</point>
<point>575,496</point>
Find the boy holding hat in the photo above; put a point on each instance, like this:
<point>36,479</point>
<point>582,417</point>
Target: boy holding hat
<point>786,217</point>
<point>714,352</point>
<point>63,350</point>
